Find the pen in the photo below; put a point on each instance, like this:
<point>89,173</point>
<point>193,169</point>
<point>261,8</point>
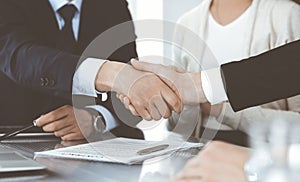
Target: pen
<point>152,149</point>
<point>14,133</point>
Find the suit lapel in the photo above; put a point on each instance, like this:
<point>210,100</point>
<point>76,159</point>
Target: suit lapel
<point>46,19</point>
<point>85,27</point>
<point>92,21</point>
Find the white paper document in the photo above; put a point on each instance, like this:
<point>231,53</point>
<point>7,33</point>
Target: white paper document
<point>118,150</point>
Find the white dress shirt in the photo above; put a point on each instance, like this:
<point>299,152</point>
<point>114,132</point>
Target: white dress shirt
<point>265,17</point>
<point>227,44</point>
<point>213,87</point>
<point>85,76</point>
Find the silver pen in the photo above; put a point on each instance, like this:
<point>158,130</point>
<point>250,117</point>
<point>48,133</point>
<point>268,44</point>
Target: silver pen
<point>14,133</point>
<point>152,149</point>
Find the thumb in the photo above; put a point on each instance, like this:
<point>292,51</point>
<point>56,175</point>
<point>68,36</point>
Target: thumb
<point>143,66</point>
<point>177,69</point>
<point>38,122</point>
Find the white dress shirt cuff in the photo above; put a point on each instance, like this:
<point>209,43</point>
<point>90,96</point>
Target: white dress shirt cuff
<point>110,121</point>
<point>213,86</point>
<point>85,76</point>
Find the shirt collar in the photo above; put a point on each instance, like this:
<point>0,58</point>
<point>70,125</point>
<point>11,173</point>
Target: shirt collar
<point>57,4</point>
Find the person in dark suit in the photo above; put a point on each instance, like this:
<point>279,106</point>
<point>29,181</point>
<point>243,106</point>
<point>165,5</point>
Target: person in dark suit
<point>41,42</point>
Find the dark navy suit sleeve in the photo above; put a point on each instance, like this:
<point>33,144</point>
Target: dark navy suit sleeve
<point>26,61</point>
<point>261,79</point>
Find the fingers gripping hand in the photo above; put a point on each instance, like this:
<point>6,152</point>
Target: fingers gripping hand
<point>125,100</point>
<point>186,84</point>
<point>156,112</point>
<point>152,99</point>
<point>146,94</point>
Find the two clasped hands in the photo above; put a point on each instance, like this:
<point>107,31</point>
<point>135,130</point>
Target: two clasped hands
<point>151,91</point>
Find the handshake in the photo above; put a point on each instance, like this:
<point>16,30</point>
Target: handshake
<point>151,91</point>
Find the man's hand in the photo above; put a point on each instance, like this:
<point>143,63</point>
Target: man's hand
<point>63,123</point>
<point>149,95</point>
<point>186,84</point>
<point>213,164</point>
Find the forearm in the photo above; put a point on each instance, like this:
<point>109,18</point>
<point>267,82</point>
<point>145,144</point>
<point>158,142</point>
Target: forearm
<point>117,77</point>
<point>29,60</point>
<point>39,67</point>
<point>263,78</point>
<point>190,88</point>
<point>198,86</point>
<point>107,75</point>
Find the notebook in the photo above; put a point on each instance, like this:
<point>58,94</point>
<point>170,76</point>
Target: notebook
<point>118,150</point>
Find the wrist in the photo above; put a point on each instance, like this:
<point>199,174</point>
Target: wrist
<point>198,86</point>
<point>118,77</point>
<point>97,120</point>
<point>107,75</point>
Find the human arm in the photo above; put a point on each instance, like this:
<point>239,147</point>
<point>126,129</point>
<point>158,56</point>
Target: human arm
<point>263,78</point>
<point>215,82</point>
<point>213,164</point>
<point>272,75</point>
<point>26,60</point>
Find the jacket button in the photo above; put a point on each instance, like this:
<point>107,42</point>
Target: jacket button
<point>46,83</point>
<point>42,82</point>
<point>51,83</point>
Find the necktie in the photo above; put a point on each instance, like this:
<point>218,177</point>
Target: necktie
<point>66,39</point>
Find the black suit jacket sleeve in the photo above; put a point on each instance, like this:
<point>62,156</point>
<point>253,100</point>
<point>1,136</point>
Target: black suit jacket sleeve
<point>261,79</point>
<point>26,61</point>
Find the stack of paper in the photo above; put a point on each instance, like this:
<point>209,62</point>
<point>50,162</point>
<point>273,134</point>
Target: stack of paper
<point>118,150</point>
